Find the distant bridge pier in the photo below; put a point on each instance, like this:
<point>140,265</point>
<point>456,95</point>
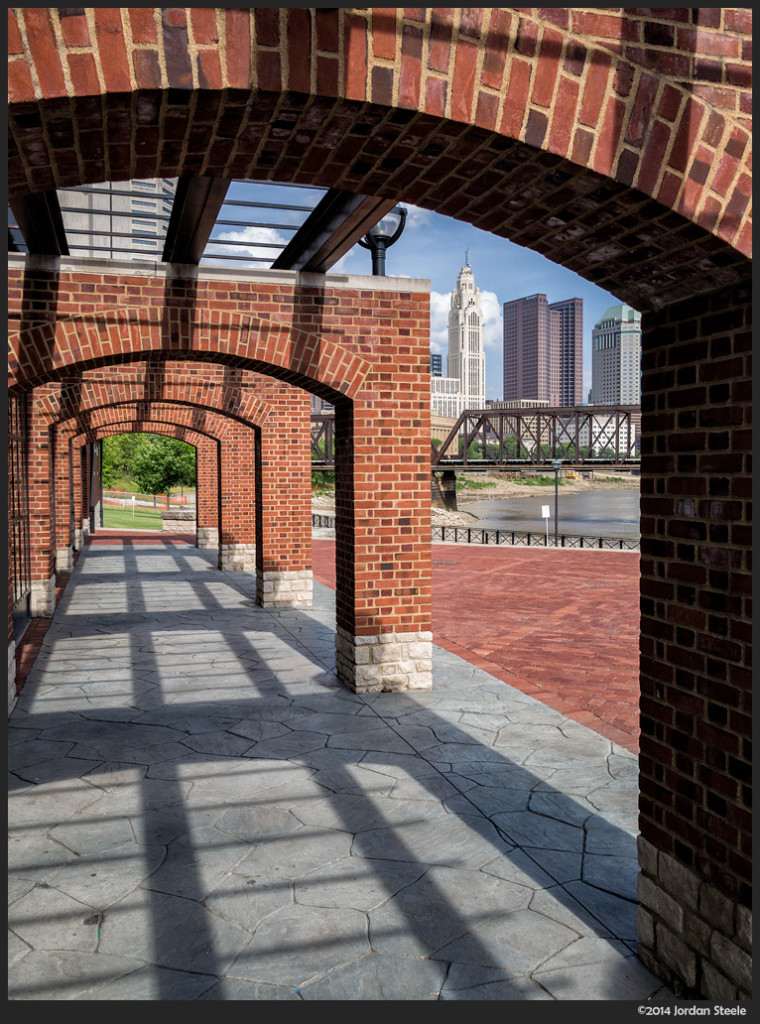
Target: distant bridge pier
<point>444,490</point>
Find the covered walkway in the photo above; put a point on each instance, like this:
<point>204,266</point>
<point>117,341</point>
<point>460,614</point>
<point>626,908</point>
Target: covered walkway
<point>200,810</point>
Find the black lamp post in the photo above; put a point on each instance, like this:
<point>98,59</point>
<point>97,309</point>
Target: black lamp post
<point>383,234</point>
<point>556,466</point>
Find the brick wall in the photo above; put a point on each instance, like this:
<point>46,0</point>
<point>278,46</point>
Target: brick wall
<point>696,727</point>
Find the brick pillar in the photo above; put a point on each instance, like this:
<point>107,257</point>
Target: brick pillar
<point>284,577</point>
<point>77,473</point>
<point>41,514</point>
<point>383,560</point>
<point>64,541</point>
<point>84,487</point>
<point>11,641</point>
<point>207,493</point>
<point>695,916</point>
<point>237,500</point>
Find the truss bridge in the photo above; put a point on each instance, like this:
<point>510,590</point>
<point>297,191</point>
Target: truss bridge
<point>599,435</point>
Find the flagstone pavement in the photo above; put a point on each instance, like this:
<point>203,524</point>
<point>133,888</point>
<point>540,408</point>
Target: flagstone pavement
<point>198,809</point>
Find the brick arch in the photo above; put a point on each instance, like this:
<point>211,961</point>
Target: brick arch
<point>135,414</point>
<point>46,352</point>
<point>227,496</point>
<point>207,496</point>
<point>57,403</point>
<point>596,138</point>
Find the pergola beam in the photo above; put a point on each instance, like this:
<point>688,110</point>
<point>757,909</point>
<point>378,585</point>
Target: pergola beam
<point>333,227</point>
<point>196,206</point>
<point>40,221</point>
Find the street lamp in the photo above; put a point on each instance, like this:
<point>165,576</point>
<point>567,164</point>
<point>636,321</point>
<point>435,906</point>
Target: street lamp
<point>383,234</point>
<point>556,466</point>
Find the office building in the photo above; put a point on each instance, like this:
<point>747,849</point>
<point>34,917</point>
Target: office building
<point>543,350</point>
<point>446,398</point>
<point>570,328</point>
<point>616,358</point>
<point>122,219</point>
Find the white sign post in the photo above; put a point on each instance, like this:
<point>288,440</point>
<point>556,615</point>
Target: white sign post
<point>134,499</point>
<point>545,515</point>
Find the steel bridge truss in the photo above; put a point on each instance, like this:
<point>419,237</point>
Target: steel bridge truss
<point>584,435</point>
<point>600,435</point>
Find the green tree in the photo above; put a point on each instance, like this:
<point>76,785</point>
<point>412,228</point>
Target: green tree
<point>160,463</point>
<point>118,452</point>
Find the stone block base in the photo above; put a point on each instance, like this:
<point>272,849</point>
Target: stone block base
<point>64,559</point>
<point>79,536</point>
<point>285,589</point>
<point>42,598</point>
<point>12,695</point>
<point>178,525</point>
<point>387,662</point>
<point>85,527</point>
<point>691,934</point>
<point>207,537</point>
<point>237,557</point>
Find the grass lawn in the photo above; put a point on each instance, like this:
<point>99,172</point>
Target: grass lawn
<point>115,518</point>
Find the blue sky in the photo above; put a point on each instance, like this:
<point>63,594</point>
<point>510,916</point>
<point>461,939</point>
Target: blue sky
<point>433,247</point>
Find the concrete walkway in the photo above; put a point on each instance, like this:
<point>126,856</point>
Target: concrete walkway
<point>199,810</point>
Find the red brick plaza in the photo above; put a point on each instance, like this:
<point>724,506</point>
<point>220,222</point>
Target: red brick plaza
<point>562,626</point>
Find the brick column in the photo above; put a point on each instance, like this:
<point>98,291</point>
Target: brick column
<point>41,514</point>
<point>78,472</point>
<point>64,541</point>
<point>695,916</point>
<point>207,493</point>
<point>383,560</point>
<point>284,577</point>
<point>237,500</point>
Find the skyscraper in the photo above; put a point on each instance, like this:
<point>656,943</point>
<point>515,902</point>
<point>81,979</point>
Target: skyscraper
<point>616,358</point>
<point>570,327</point>
<point>466,359</point>
<point>123,219</point>
<point>543,350</point>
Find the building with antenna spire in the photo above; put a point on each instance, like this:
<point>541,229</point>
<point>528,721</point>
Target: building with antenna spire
<point>466,359</point>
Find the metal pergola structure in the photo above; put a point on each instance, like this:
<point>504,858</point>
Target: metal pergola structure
<point>324,233</point>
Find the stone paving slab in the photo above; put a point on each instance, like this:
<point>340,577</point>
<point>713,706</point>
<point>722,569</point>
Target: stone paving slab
<point>198,809</point>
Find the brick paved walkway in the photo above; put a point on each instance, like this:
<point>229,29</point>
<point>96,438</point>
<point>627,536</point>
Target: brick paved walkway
<point>562,626</point>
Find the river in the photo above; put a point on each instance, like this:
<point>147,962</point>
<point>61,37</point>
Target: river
<point>588,513</point>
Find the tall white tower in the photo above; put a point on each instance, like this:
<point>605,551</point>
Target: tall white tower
<point>466,359</point>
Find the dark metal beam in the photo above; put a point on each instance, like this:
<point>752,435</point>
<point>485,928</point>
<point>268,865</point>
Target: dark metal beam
<point>197,203</point>
<point>40,221</point>
<point>333,227</point>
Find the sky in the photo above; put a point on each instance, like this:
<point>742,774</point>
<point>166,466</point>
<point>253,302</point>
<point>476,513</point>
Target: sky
<point>433,247</point>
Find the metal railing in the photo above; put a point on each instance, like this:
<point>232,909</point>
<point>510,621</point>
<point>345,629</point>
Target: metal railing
<point>513,538</point>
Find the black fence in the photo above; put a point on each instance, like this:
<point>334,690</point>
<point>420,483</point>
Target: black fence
<point>472,535</point>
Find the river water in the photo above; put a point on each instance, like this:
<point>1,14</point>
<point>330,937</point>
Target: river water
<point>587,514</point>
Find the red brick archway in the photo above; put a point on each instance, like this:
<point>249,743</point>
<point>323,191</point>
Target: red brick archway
<point>524,124</point>
<point>613,141</point>
<point>76,519</point>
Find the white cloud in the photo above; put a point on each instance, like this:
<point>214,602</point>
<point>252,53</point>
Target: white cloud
<point>268,243</point>
<point>493,335</point>
<point>439,322</point>
<point>416,217</point>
